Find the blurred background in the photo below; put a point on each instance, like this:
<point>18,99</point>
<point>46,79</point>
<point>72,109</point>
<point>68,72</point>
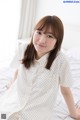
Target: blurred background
<point>18,18</point>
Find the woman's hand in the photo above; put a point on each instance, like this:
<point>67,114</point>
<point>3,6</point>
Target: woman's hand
<point>12,81</point>
<point>9,85</point>
<point>78,113</point>
<point>67,94</point>
<point>77,117</point>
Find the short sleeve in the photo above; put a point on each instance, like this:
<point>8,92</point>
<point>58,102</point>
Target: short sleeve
<point>18,56</point>
<point>65,73</point>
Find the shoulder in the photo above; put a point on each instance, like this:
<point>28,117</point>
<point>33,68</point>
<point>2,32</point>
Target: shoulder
<point>62,57</point>
<point>63,61</point>
<point>60,60</point>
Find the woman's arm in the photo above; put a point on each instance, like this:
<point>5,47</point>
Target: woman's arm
<point>12,81</point>
<point>67,94</point>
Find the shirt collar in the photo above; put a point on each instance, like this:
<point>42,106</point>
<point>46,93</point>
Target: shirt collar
<point>43,59</point>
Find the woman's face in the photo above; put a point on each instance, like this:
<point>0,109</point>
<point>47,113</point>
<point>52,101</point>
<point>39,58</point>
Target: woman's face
<point>43,41</point>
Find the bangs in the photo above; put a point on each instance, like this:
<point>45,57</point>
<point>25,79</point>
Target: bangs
<point>46,26</point>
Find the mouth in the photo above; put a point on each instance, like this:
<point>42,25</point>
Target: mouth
<point>40,45</point>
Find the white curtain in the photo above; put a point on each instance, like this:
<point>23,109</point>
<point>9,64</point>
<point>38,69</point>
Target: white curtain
<point>27,20</point>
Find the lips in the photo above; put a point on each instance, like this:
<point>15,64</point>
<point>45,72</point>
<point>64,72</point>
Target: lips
<point>40,45</point>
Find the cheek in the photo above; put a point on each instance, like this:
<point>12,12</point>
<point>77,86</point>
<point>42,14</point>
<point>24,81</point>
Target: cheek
<point>51,44</point>
<point>35,38</point>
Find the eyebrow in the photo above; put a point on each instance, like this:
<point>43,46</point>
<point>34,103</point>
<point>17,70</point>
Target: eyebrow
<point>49,33</point>
<point>46,32</point>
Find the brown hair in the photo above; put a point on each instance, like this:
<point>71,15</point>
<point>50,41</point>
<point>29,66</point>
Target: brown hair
<point>57,29</point>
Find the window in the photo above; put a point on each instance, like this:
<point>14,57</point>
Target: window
<point>9,26</point>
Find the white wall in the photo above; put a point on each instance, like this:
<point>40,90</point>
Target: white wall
<point>9,25</point>
<point>69,14</point>
<point>72,36</point>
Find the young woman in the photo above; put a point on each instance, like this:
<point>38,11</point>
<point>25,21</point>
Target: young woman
<point>43,68</point>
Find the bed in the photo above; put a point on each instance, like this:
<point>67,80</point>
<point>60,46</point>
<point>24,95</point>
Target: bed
<point>61,111</point>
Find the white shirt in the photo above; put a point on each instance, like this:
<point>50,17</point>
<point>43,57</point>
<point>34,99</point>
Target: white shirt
<point>37,88</point>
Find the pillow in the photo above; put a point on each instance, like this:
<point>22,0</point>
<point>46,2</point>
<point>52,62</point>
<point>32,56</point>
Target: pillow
<point>73,53</point>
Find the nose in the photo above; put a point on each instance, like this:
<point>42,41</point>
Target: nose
<point>42,39</point>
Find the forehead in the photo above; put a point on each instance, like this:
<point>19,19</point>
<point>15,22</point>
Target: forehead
<point>46,29</point>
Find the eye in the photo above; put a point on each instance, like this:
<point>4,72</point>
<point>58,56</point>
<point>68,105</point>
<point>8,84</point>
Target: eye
<point>50,36</point>
<point>38,32</point>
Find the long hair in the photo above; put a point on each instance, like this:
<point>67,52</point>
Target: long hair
<point>57,29</point>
